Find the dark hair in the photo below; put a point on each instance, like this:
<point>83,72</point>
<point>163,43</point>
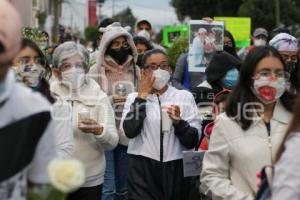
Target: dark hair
<point>294,127</point>
<point>242,93</point>
<point>31,44</point>
<point>230,36</point>
<point>105,22</point>
<point>44,88</point>
<point>152,52</point>
<point>141,40</point>
<point>222,97</point>
<point>278,30</point>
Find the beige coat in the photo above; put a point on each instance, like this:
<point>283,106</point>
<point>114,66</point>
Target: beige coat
<point>235,156</point>
<point>88,147</point>
<point>108,74</point>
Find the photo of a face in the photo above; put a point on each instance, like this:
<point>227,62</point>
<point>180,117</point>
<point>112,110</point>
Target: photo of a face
<point>205,39</point>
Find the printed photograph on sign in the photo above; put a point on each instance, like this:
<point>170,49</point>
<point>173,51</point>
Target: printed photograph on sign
<point>205,39</point>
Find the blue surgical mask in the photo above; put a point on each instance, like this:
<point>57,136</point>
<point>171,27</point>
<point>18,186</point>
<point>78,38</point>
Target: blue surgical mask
<point>2,87</point>
<point>231,78</point>
<point>2,90</point>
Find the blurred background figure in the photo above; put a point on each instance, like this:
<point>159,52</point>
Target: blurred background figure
<point>260,37</point>
<point>229,44</point>
<point>142,45</point>
<point>26,128</point>
<point>222,73</point>
<point>287,45</point>
<point>286,179</point>
<point>144,29</point>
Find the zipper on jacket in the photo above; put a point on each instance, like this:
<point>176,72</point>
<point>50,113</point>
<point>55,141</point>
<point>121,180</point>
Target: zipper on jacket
<point>161,132</point>
<point>270,146</point>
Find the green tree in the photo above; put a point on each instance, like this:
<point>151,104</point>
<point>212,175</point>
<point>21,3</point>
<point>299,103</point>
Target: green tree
<point>196,9</point>
<point>91,33</point>
<point>179,46</point>
<point>125,17</point>
<point>262,12</point>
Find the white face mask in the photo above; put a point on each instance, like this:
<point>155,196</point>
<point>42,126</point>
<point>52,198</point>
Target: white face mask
<point>269,91</point>
<point>145,34</point>
<point>74,78</point>
<point>30,75</point>
<point>260,42</point>
<point>162,78</point>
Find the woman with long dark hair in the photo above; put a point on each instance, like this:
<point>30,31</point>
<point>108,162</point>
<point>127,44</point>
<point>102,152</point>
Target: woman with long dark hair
<point>286,180</point>
<point>31,68</point>
<point>247,136</point>
<point>229,44</point>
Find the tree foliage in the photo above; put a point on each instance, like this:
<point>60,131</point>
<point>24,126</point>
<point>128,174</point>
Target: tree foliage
<point>196,9</point>
<point>125,17</point>
<point>262,12</point>
<point>179,46</point>
<point>91,33</point>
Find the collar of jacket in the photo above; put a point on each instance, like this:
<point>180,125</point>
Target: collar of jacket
<point>280,114</point>
<point>166,94</point>
<point>89,94</point>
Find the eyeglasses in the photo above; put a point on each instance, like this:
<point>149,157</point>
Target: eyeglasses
<point>154,66</point>
<point>26,60</point>
<point>118,45</point>
<point>268,74</point>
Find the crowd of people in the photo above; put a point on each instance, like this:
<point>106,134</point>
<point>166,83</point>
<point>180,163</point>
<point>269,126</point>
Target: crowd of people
<point>128,115</point>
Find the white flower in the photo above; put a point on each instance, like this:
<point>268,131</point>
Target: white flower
<point>66,175</point>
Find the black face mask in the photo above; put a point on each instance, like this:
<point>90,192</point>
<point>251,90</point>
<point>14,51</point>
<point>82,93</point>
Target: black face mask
<point>139,60</point>
<point>119,55</point>
<point>229,49</point>
<point>290,66</point>
<point>2,49</point>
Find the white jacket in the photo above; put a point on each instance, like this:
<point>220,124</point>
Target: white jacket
<point>286,182</point>
<point>21,105</point>
<point>88,147</point>
<point>235,156</point>
<point>147,143</point>
<point>64,137</point>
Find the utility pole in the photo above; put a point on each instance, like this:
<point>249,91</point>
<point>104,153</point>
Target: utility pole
<point>277,12</point>
<point>55,28</point>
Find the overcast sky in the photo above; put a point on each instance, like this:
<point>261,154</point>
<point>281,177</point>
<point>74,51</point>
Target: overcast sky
<point>158,12</point>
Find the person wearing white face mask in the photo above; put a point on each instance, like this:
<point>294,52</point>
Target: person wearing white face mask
<point>259,38</point>
<point>92,115</point>
<point>247,136</point>
<point>143,28</point>
<point>160,122</point>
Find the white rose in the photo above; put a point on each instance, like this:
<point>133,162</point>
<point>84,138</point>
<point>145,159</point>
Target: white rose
<point>66,175</point>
